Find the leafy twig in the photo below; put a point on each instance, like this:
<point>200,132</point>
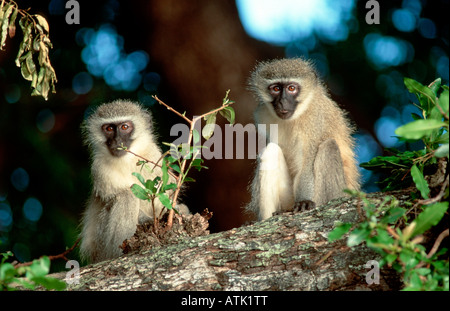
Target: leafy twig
<point>52,257</point>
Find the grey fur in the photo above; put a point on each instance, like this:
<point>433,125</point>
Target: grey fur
<point>112,211</point>
<point>314,154</point>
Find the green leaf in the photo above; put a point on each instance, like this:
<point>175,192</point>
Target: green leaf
<point>7,272</point>
<point>443,139</point>
<point>196,136</point>
<point>170,186</point>
<point>139,192</point>
<point>176,168</point>
<point>164,199</point>
<point>49,282</point>
<point>392,215</point>
<point>390,258</point>
<point>442,151</point>
<point>338,232</point>
<point>382,238</point>
<point>426,96</point>
<point>443,101</point>
<point>431,216</point>
<point>415,116</point>
<point>40,267</point>
<point>150,185</point>
<point>358,235</point>
<point>435,85</point>
<point>171,159</point>
<point>139,177</point>
<point>165,173</point>
<point>229,114</point>
<point>418,129</point>
<point>420,181</point>
<point>208,129</point>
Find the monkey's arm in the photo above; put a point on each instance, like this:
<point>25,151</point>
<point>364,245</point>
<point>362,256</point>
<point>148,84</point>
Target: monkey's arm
<point>322,179</point>
<point>106,224</point>
<point>329,177</point>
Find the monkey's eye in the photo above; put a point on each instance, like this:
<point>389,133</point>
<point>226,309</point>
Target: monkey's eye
<point>126,127</point>
<point>109,128</point>
<point>291,88</point>
<point>275,88</point>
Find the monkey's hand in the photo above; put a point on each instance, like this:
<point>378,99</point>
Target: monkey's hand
<point>304,205</point>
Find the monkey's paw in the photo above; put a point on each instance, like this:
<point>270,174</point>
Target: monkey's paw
<point>304,205</point>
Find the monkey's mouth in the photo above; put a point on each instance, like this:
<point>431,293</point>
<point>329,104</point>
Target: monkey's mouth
<point>284,114</point>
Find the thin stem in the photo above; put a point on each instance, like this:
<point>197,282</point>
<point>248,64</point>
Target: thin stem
<point>180,180</point>
<point>147,160</point>
<point>171,109</point>
<point>52,257</point>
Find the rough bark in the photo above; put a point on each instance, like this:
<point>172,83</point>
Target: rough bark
<point>285,252</point>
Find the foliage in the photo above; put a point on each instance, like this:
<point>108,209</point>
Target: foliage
<point>431,128</point>
<point>28,277</point>
<point>35,44</point>
<point>381,229</point>
<point>180,159</point>
<point>400,249</point>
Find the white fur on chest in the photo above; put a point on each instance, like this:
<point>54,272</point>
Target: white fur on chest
<point>115,174</point>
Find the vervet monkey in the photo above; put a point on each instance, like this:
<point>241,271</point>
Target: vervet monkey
<point>311,160</point>
<point>113,211</point>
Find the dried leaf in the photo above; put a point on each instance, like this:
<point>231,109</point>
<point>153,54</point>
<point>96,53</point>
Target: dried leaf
<point>4,22</point>
<point>12,23</point>
<point>43,22</point>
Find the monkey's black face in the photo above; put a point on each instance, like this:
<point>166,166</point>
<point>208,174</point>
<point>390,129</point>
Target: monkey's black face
<point>284,97</point>
<point>118,135</point>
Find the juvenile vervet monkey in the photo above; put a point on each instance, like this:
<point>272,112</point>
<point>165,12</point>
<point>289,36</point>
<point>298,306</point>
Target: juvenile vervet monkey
<point>113,211</point>
<point>311,160</point>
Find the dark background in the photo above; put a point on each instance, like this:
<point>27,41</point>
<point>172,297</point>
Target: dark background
<point>196,51</point>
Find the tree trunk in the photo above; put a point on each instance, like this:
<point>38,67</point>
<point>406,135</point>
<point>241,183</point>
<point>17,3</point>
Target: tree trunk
<point>285,252</point>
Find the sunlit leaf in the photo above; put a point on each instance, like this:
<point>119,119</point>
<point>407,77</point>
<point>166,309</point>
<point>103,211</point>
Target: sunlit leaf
<point>7,10</point>
<point>195,136</point>
<point>443,101</point>
<point>338,232</point>
<point>358,235</point>
<point>418,129</point>
<point>442,151</point>
<point>228,113</point>
<point>209,127</point>
<point>39,267</point>
<point>43,22</point>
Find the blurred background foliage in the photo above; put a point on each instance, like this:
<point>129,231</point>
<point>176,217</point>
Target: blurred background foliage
<point>189,53</point>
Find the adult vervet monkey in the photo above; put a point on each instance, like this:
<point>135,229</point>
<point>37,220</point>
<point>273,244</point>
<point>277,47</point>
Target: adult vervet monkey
<point>113,211</point>
<point>311,160</point>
